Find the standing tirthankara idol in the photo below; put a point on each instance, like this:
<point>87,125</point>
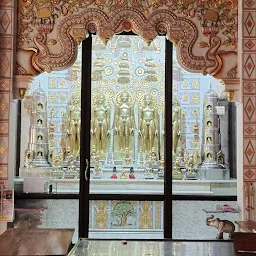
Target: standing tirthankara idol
<point>176,127</point>
<point>148,124</point>
<point>73,126</point>
<point>124,124</point>
<point>100,124</point>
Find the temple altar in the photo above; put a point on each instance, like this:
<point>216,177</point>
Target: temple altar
<point>127,121</point>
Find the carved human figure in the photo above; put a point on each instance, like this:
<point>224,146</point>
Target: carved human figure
<point>148,124</point>
<point>73,126</point>
<point>100,124</point>
<point>124,123</point>
<point>176,127</point>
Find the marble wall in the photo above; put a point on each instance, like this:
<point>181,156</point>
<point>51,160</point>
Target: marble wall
<point>189,219</point>
<point>248,79</point>
<point>8,14</point>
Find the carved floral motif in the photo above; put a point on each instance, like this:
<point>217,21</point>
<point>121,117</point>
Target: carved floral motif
<point>68,22</point>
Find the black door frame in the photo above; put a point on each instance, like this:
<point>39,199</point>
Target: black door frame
<point>85,137</point>
<point>84,195</point>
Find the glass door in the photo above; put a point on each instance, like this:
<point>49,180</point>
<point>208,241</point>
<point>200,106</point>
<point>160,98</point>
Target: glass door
<point>124,183</point>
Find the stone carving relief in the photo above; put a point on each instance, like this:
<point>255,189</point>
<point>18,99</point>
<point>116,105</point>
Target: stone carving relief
<point>203,31</point>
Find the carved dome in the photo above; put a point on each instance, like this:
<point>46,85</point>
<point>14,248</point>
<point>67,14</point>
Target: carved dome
<point>39,93</point>
<point>210,94</point>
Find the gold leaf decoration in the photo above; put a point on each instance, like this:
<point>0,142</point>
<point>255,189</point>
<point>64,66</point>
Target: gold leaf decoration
<point>52,42</point>
<point>203,44</point>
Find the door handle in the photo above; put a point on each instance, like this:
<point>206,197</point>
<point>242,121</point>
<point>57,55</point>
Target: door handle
<point>86,169</point>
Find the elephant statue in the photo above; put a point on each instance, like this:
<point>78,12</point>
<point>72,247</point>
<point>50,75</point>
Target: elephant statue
<point>223,226</point>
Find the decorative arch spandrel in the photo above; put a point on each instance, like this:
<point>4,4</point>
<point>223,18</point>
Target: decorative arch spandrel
<point>204,32</point>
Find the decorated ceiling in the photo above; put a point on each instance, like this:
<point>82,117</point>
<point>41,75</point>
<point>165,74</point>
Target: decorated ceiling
<point>204,32</point>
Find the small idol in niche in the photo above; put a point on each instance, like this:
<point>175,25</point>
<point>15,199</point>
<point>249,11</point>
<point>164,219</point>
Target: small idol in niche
<point>39,122</point>
<point>209,140</point>
<point>209,156</point>
<point>131,174</point>
<point>39,137</point>
<point>209,124</point>
<point>39,154</point>
<point>114,175</point>
<point>29,156</point>
<point>39,106</point>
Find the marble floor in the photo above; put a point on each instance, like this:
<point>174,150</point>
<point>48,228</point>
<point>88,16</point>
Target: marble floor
<point>147,248</point>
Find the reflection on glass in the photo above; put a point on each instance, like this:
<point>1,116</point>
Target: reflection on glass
<point>127,124</point>
<point>52,147</point>
<point>200,142</point>
<point>128,80</point>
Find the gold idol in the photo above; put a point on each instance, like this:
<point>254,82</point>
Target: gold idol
<point>73,126</point>
<point>148,124</point>
<point>124,123</point>
<point>100,124</point>
<point>176,127</point>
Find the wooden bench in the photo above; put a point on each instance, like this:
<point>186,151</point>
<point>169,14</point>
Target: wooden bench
<point>244,243</point>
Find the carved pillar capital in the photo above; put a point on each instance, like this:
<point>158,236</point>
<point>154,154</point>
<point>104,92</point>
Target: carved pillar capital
<point>233,89</point>
<point>21,84</point>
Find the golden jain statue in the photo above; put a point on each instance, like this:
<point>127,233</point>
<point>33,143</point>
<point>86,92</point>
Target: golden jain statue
<point>176,127</point>
<point>148,124</point>
<point>73,126</point>
<point>124,123</point>
<point>100,124</point>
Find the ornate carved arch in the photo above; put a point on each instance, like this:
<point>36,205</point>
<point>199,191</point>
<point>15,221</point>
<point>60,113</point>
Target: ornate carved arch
<point>203,31</point>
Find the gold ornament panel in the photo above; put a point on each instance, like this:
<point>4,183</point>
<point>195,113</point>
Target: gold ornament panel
<point>4,106</point>
<point>4,148</point>
<point>4,128</point>
<point>3,172</point>
<point>126,215</point>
